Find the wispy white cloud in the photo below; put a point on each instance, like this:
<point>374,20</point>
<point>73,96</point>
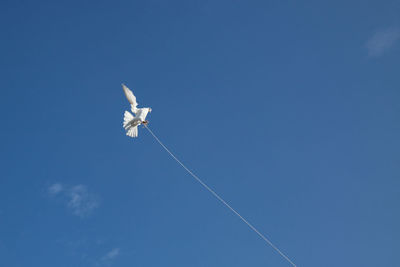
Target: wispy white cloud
<point>54,189</point>
<point>78,198</point>
<point>381,41</point>
<point>81,202</point>
<point>111,254</point>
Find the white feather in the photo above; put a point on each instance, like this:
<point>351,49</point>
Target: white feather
<point>131,98</point>
<point>132,132</point>
<point>142,113</point>
<point>128,117</point>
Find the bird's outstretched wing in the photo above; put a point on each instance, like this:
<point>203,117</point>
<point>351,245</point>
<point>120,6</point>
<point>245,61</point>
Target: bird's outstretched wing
<point>131,98</point>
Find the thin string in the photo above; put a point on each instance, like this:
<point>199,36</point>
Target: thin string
<point>220,199</point>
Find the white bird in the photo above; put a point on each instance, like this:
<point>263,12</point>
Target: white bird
<point>132,122</point>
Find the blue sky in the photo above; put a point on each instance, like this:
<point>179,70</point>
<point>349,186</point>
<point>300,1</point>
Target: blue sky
<point>288,109</point>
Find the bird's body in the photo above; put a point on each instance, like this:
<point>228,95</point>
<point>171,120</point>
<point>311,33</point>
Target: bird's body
<point>132,122</point>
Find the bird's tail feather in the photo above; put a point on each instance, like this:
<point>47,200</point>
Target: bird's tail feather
<point>132,131</point>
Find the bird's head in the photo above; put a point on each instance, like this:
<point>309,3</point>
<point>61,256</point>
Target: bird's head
<point>149,109</point>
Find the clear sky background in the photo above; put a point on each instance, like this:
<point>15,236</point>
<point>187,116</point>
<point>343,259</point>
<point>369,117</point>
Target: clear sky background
<point>288,109</point>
